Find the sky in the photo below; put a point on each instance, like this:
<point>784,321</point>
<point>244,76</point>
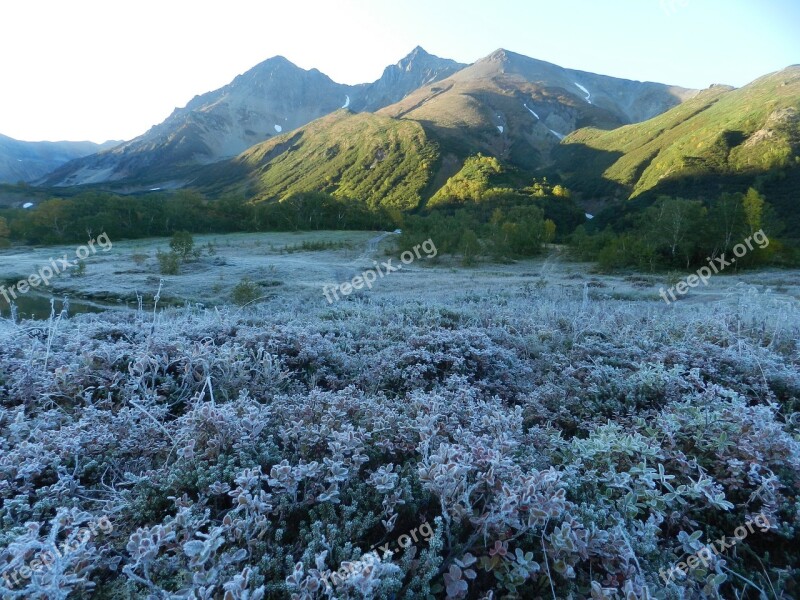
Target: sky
<point>110,69</point>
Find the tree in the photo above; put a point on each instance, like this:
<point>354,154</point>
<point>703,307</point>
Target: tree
<point>182,243</point>
<point>470,247</point>
<point>753,204</point>
<point>559,191</point>
<point>726,224</point>
<point>678,225</point>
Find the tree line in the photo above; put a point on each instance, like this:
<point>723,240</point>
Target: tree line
<point>59,220</point>
<point>480,216</point>
<point>681,233</point>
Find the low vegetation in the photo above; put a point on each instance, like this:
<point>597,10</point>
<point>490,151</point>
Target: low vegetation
<point>556,445</point>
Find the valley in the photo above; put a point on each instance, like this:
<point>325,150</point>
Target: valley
<point>283,266</point>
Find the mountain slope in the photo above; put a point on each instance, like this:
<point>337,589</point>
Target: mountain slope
<point>723,132</point>
<point>505,106</point>
<point>518,108</point>
<point>272,98</point>
<point>28,161</point>
<point>378,160</point>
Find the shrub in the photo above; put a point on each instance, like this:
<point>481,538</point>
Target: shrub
<point>169,262</point>
<point>80,269</point>
<point>245,292</point>
<point>565,448</point>
<point>182,244</point>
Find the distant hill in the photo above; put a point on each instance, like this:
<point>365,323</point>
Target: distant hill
<point>273,97</point>
<point>29,161</point>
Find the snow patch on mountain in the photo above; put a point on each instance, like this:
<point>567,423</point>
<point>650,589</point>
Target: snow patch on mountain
<point>585,91</point>
<point>555,133</point>
<point>532,112</point>
<point>346,102</point>
<point>500,128</point>
<point>278,128</point>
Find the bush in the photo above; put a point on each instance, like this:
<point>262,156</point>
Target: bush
<point>5,232</point>
<point>245,292</point>
<point>555,448</point>
<point>182,244</point>
<point>169,262</point>
<point>80,269</point>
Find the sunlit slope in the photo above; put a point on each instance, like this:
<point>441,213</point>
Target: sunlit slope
<point>381,161</point>
<point>722,132</point>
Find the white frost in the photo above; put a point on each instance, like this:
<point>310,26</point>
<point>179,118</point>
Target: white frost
<point>585,91</point>
<point>532,112</point>
<point>346,102</point>
<point>278,128</point>
<point>500,128</point>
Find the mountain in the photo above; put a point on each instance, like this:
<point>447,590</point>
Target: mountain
<point>28,161</point>
<point>506,105</point>
<point>518,108</point>
<point>273,97</point>
<point>722,138</point>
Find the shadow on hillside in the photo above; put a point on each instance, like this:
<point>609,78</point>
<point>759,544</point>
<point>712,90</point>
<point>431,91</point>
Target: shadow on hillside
<point>582,169</point>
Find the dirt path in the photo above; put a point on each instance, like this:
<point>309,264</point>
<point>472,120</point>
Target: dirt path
<point>348,271</point>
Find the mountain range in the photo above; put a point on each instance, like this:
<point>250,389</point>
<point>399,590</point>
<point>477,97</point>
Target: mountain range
<point>505,104</point>
<point>273,97</point>
<point>277,130</point>
<point>29,161</point>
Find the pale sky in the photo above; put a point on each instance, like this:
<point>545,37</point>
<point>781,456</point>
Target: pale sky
<point>110,69</point>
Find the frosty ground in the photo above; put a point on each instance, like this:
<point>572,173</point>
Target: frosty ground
<point>279,263</point>
<point>565,433</point>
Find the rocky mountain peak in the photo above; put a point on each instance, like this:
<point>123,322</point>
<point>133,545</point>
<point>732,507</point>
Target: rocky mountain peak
<point>416,69</point>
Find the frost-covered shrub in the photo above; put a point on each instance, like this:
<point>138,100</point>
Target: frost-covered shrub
<point>557,446</point>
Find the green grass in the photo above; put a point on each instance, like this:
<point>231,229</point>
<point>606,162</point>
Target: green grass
<point>380,161</point>
<point>720,133</point>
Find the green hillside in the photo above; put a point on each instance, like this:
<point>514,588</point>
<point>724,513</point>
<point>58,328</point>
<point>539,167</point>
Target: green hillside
<point>380,161</point>
<point>721,137</point>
